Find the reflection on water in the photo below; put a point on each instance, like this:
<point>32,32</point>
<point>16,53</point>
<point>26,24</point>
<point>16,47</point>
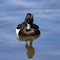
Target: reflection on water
<point>29,41</point>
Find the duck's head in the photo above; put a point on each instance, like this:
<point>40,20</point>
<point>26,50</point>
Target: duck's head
<point>29,18</point>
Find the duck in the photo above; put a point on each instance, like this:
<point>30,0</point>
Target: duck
<point>27,28</point>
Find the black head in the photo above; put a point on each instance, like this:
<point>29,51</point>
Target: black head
<point>29,18</point>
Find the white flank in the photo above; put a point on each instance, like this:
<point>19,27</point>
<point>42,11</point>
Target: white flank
<point>17,31</point>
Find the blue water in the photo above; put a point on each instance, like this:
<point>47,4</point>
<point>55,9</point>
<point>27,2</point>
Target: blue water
<point>46,16</point>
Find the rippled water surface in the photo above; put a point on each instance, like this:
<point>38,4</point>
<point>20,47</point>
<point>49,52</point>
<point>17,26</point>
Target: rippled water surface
<point>46,16</point>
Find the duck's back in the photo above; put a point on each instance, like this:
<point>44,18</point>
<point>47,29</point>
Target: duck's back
<point>33,31</point>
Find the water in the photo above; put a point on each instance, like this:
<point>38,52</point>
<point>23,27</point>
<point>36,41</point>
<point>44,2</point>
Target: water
<point>46,16</point>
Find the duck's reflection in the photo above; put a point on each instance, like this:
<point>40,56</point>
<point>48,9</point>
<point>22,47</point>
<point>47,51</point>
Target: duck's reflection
<point>30,50</point>
<point>29,40</point>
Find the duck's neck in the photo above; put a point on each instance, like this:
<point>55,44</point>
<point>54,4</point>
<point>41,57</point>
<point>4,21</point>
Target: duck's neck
<point>28,26</point>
